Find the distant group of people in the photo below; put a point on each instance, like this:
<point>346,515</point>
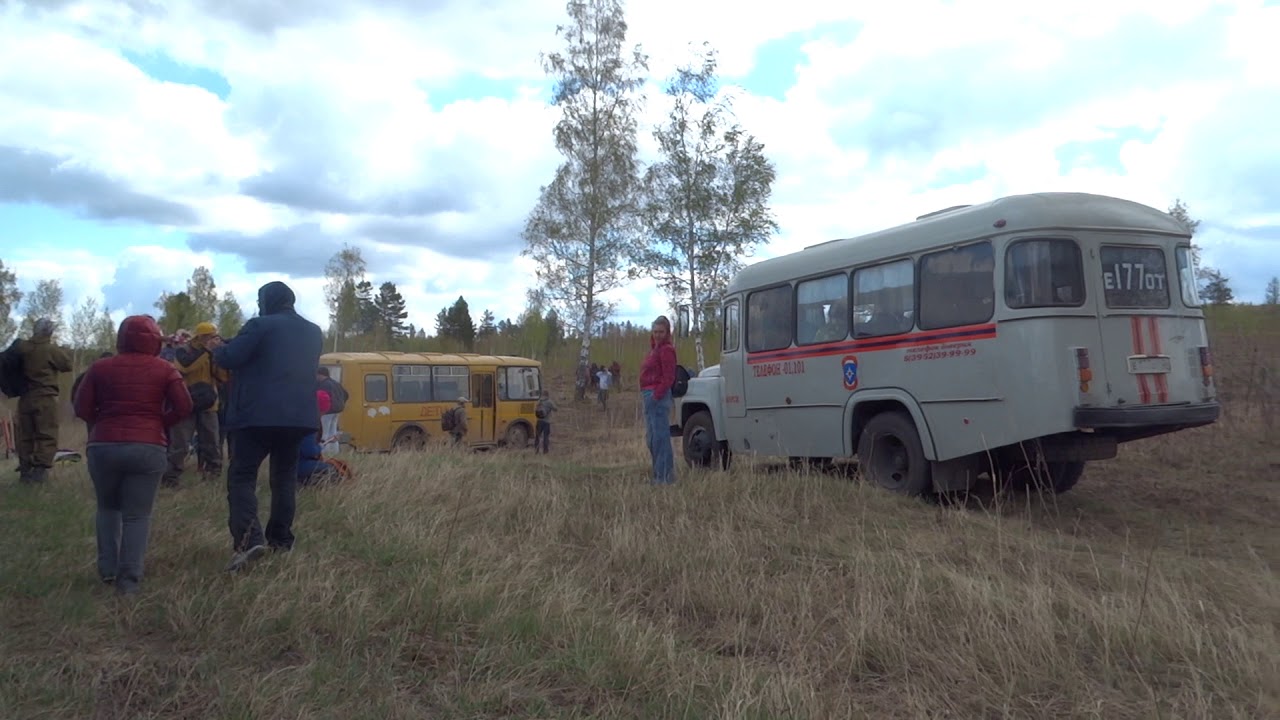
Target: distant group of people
<point>264,390</point>
<point>599,378</point>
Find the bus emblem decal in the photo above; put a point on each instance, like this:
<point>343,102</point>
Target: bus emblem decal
<point>849,367</point>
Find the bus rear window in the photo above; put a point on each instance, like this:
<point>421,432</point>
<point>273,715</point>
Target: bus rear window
<point>1134,277</point>
<point>1043,273</point>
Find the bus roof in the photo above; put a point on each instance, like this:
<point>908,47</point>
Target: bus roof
<point>434,358</point>
<point>1021,213</point>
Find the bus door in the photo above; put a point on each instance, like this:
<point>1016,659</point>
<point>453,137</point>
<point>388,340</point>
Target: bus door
<point>1146,334</point>
<point>369,420</point>
<point>731,361</point>
<point>482,414</point>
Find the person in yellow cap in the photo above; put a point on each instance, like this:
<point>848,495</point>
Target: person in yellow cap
<point>203,378</point>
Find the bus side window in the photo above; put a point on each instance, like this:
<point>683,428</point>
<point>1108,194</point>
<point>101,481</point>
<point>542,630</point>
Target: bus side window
<point>732,327</point>
<point>375,388</point>
<point>957,287</point>
<point>884,299</point>
<point>769,319</point>
<point>411,383</point>
<point>822,310</point>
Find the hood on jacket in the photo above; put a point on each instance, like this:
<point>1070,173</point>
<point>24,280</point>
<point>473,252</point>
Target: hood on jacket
<point>139,334</point>
<point>275,297</point>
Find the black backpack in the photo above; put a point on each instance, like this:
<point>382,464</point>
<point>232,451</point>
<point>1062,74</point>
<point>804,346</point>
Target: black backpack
<point>681,384</point>
<point>203,396</point>
<point>13,375</point>
<point>449,420</point>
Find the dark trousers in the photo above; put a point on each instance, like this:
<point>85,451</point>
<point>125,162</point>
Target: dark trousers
<point>542,437</point>
<point>249,447</point>
<point>204,427</point>
<point>125,478</point>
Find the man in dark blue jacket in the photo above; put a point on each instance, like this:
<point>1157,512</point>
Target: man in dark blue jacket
<point>273,407</point>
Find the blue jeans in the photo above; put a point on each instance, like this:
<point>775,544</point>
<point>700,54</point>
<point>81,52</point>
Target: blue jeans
<point>125,479</point>
<point>657,434</point>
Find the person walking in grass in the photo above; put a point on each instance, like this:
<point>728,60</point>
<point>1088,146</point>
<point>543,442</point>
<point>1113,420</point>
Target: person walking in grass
<point>273,360</point>
<point>203,377</point>
<point>542,432</point>
<point>604,379</point>
<point>455,421</point>
<point>129,402</point>
<point>657,375</point>
<point>41,363</point>
<point>338,397</point>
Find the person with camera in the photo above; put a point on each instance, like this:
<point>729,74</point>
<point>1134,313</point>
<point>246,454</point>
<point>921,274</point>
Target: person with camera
<point>203,377</point>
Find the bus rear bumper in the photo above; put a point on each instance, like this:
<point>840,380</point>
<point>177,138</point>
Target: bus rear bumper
<point>1148,416</point>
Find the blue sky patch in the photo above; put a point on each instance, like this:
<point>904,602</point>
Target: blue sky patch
<point>958,175</point>
<point>38,228</point>
<point>473,86</point>
<point>1103,153</point>
<point>774,71</point>
<point>159,66</point>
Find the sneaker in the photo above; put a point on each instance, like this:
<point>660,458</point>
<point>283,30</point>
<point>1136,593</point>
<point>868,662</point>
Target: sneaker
<point>241,560</point>
<point>108,579</point>
<point>36,475</point>
<point>128,587</point>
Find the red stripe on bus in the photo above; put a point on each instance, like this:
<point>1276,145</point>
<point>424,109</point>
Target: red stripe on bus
<point>1157,348</point>
<point>1135,329</point>
<point>865,345</point>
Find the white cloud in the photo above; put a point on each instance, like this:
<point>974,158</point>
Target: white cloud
<point>898,109</point>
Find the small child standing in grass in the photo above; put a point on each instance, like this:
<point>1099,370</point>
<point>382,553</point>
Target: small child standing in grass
<point>542,434</point>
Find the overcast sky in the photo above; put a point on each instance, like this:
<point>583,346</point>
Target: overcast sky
<point>139,139</point>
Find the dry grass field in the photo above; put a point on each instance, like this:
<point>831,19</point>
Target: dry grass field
<point>506,584</point>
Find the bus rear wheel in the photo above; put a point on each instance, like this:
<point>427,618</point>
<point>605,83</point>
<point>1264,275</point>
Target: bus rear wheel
<point>1055,477</point>
<point>891,456</point>
<point>410,438</point>
<point>701,449</point>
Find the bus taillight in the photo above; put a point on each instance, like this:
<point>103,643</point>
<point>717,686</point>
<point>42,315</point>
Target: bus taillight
<point>1082,369</point>
<point>1206,365</point>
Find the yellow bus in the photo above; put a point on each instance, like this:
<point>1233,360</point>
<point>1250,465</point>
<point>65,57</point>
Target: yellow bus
<point>397,398</point>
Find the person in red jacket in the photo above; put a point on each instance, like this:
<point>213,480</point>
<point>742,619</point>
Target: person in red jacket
<point>130,401</point>
<point>657,375</point>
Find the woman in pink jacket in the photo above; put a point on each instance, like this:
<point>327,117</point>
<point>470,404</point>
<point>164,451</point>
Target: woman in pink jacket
<point>657,374</point>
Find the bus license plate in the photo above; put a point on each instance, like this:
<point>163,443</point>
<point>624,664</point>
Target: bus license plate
<point>1150,365</point>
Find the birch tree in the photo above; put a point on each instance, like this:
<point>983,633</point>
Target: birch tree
<point>582,230</point>
<point>706,200</point>
<point>83,330</point>
<point>43,302</point>
<point>344,271</point>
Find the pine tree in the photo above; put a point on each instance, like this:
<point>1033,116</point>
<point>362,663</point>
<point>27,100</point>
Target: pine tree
<point>366,310</point>
<point>389,311</point>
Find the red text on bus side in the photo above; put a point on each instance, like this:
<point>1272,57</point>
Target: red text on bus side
<point>786,367</point>
<point>940,352</point>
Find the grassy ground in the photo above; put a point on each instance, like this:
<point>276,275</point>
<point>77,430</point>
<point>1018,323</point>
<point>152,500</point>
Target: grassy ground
<point>513,585</point>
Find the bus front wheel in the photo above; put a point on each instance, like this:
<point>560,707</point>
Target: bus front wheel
<point>518,436</point>
<point>891,456</point>
<point>701,449</point>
